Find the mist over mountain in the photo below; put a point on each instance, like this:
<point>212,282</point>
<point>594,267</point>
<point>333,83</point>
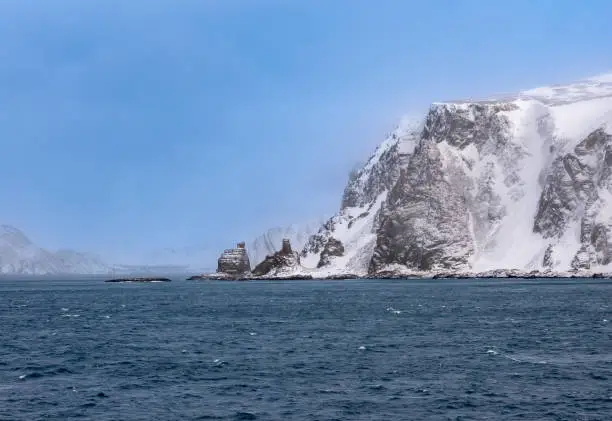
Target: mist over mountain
<point>21,256</point>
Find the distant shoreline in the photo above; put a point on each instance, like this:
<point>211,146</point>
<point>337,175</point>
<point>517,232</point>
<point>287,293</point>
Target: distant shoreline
<point>412,276</point>
<point>307,277</point>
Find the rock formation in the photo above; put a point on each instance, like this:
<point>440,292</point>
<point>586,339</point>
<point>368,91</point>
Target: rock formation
<point>280,263</point>
<point>234,262</point>
<point>268,242</point>
<point>139,280</point>
<point>332,248</point>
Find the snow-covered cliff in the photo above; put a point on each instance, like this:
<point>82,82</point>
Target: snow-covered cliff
<point>522,182</point>
<point>354,226</point>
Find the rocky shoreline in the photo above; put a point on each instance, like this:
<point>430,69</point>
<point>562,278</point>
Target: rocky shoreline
<point>286,265</point>
<point>405,276</point>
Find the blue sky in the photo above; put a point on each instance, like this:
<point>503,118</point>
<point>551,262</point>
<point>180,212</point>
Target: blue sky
<point>128,126</point>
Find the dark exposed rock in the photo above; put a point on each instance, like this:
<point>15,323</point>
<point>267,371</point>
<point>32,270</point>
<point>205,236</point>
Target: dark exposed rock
<point>478,123</point>
<point>365,190</point>
<point>375,177</point>
<point>498,273</point>
<point>342,276</point>
<point>572,192</point>
<point>286,247</point>
<point>425,224</point>
<point>281,261</point>
<point>547,262</point>
<point>317,242</point>
<point>234,262</point>
<point>220,277</point>
<point>333,247</point>
<point>583,258</point>
<point>291,277</point>
<point>571,184</point>
<point>117,280</point>
<point>599,240</point>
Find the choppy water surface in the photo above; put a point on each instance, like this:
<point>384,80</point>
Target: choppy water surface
<point>346,350</point>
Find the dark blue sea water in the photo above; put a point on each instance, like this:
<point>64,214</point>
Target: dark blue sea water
<point>306,350</point>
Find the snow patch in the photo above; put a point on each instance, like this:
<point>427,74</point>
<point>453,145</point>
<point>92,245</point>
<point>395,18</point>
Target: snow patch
<point>576,120</point>
<point>354,227</point>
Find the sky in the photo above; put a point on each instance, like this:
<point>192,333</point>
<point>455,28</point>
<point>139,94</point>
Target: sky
<point>131,126</point>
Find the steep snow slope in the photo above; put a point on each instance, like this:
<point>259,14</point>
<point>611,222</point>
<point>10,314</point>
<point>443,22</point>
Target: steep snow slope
<point>522,182</point>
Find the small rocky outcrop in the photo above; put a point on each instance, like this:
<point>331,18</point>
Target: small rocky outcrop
<point>234,262</point>
<point>278,263</point>
<point>342,276</point>
<point>153,279</point>
<point>332,248</point>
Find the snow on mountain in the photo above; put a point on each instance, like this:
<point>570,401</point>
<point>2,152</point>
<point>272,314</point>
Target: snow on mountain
<point>354,226</point>
<point>523,182</point>
<point>270,242</point>
<point>18,255</point>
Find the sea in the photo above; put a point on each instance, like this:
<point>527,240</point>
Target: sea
<point>306,350</point>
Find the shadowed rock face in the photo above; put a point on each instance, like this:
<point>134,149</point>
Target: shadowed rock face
<point>278,263</point>
<point>547,260</point>
<point>425,223</point>
<point>333,247</point>
<point>286,247</point>
<point>234,261</point>
<point>362,190</point>
<point>574,193</point>
<point>317,242</point>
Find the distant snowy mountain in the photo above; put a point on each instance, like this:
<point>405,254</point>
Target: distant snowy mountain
<point>522,182</point>
<point>270,242</point>
<point>18,255</point>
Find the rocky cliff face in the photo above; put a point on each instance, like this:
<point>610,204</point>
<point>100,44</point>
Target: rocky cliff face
<point>353,229</point>
<point>281,263</point>
<point>234,261</point>
<point>577,193</point>
<point>517,183</point>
